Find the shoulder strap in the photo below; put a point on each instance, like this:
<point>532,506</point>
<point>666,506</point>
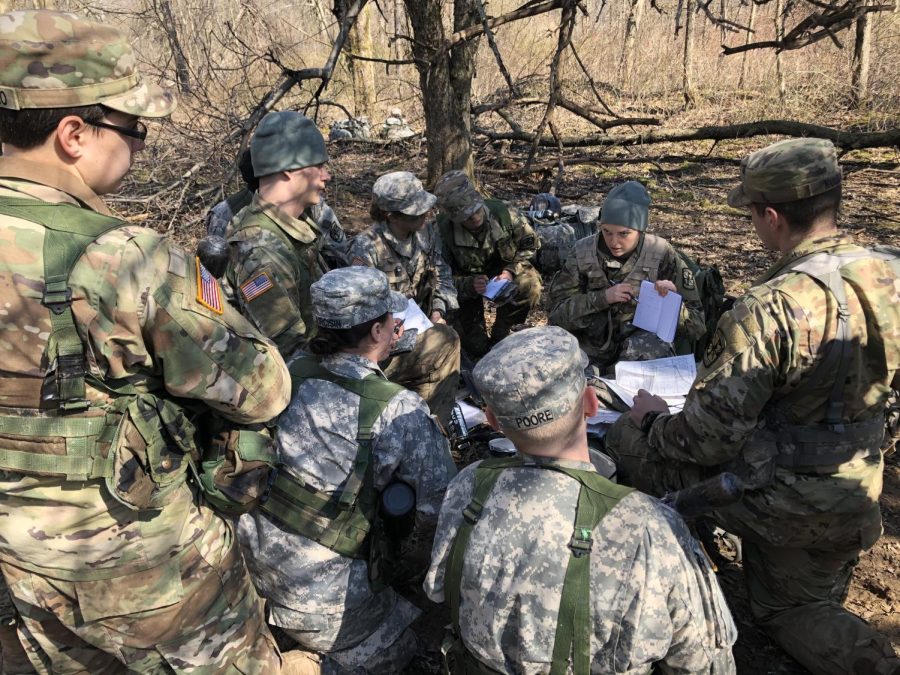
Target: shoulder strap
<point>596,498</point>
<point>586,254</point>
<point>70,229</point>
<point>653,250</point>
<point>500,211</point>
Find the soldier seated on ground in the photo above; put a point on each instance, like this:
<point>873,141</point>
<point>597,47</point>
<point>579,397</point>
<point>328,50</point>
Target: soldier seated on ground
<point>594,295</point>
<point>276,245</point>
<point>543,561</point>
<point>407,249</point>
<point>307,546</point>
<point>484,239</point>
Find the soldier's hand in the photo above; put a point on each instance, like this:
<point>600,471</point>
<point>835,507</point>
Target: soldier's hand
<point>663,286</point>
<point>480,283</point>
<point>398,331</point>
<point>646,402</point>
<point>619,293</point>
<point>437,317</point>
<point>505,274</point>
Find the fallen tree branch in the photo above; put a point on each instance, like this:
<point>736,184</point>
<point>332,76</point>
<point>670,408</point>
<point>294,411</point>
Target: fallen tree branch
<point>846,140</point>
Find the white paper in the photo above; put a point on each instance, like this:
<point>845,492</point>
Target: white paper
<point>670,379</point>
<point>414,317</point>
<point>656,313</point>
<point>604,416</point>
<point>494,286</point>
<point>473,416</point>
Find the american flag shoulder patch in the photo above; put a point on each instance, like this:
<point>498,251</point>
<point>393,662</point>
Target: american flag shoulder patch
<point>255,287</point>
<point>208,292</point>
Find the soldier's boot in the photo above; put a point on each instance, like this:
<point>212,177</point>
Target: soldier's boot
<point>468,322</point>
<point>13,658</point>
<point>299,662</point>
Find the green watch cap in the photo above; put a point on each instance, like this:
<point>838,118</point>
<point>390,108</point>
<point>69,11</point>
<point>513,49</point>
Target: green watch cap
<point>286,140</point>
<point>626,205</point>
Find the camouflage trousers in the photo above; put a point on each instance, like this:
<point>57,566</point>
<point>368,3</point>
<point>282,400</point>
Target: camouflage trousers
<point>197,613</point>
<point>431,369</point>
<point>469,320</point>
<point>373,638</point>
<point>795,591</point>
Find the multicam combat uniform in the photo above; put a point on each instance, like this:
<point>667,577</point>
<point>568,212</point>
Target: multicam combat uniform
<point>653,596</point>
<point>128,569</point>
<point>416,268</point>
<point>605,332</point>
<point>320,597</point>
<point>505,241</point>
<point>274,260</point>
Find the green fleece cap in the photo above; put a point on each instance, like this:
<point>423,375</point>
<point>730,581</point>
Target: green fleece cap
<point>286,140</point>
<point>627,205</point>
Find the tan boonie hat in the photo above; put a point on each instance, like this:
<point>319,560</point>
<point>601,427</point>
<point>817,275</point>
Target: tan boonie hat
<point>787,171</point>
<point>350,296</point>
<point>532,377</point>
<point>58,60</point>
<point>457,196</point>
<point>402,192</point>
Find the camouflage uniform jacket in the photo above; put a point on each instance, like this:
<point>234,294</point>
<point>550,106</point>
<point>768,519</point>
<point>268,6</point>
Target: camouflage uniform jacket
<point>766,348</point>
<point>578,292</point>
<point>274,260</point>
<point>414,267</point>
<point>136,310</point>
<point>653,596</point>
<point>489,251</point>
<point>316,440</point>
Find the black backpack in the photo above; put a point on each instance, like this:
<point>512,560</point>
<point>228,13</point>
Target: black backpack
<point>711,289</point>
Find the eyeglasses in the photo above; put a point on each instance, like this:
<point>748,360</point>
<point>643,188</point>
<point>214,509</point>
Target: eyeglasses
<point>138,131</point>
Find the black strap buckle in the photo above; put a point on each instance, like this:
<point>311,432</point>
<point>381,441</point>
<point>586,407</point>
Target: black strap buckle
<point>57,301</point>
<point>581,542</point>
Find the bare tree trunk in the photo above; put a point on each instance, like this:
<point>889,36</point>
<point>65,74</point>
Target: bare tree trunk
<point>445,78</point>
<point>632,23</point>
<point>182,71</point>
<point>779,35</point>
<point>750,21</point>
<point>362,72</point>
<point>690,93</point>
<point>859,84</point>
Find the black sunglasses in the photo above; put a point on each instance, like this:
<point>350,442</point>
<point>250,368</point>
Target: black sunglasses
<point>138,131</point>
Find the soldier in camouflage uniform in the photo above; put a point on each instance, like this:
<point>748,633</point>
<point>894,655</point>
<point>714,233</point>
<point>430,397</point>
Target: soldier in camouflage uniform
<point>276,245</point>
<point>791,396</point>
<point>594,295</point>
<point>484,239</point>
<point>111,338</point>
<point>321,597</point>
<point>627,589</point>
<point>403,245</point>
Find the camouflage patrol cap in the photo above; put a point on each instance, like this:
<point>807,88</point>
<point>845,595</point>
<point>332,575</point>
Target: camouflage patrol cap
<point>787,171</point>
<point>457,196</point>
<point>54,59</point>
<point>626,205</point>
<point>286,140</point>
<point>350,296</point>
<point>532,377</point>
<point>402,192</point>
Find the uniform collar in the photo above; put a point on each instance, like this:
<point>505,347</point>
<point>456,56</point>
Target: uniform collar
<point>351,365</point>
<point>535,460</point>
<point>489,232</point>
<point>304,229</point>
<point>805,248</point>
<point>51,176</point>
<point>405,247</point>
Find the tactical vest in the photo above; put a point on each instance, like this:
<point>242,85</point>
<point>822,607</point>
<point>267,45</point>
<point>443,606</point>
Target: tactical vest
<point>818,448</point>
<point>646,266</point>
<point>413,278</point>
<point>596,497</point>
<point>340,521</point>
<point>148,434</point>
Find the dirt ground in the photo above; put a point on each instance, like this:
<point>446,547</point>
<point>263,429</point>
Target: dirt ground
<point>688,209</point>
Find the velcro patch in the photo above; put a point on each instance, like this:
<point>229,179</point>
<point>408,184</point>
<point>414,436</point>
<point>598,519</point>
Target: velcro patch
<point>208,293</point>
<point>256,286</point>
<point>715,348</point>
<point>687,279</point>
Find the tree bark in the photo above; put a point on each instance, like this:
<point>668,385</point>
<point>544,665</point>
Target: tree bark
<point>362,73</point>
<point>779,36</point>
<point>750,21</point>
<point>445,78</point>
<point>688,90</point>
<point>632,23</point>
<point>859,83</point>
<point>182,71</point>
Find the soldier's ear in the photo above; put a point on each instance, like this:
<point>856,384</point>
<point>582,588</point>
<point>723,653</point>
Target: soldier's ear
<point>71,135</point>
<point>590,402</point>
